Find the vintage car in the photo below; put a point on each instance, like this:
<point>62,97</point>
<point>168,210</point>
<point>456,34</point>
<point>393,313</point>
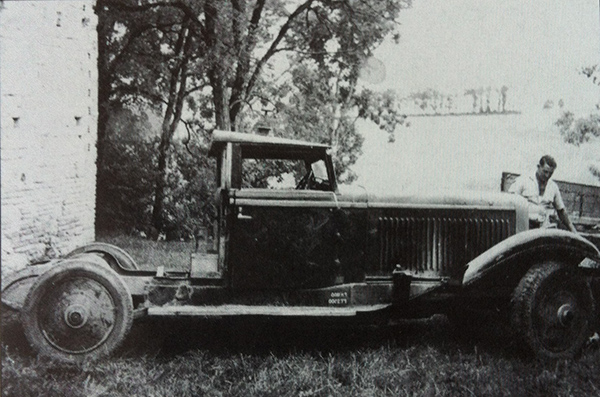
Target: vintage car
<point>313,250</point>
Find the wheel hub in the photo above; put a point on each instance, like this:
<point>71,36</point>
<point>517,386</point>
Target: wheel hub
<point>565,315</point>
<point>561,317</point>
<point>76,316</point>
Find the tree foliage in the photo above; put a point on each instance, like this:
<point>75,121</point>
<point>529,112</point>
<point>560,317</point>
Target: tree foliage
<point>592,72</point>
<point>207,64</point>
<point>579,130</point>
<point>127,179</point>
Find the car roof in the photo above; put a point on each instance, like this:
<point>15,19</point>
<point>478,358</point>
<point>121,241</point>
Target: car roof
<point>267,147</point>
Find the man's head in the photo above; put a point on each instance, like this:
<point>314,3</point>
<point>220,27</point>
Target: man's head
<point>545,168</point>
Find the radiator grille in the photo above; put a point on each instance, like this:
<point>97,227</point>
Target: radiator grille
<point>439,246</point>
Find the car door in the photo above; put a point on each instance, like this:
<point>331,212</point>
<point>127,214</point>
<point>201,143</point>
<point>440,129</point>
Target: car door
<point>295,239</point>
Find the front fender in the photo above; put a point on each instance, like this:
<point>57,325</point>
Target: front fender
<point>543,243</point>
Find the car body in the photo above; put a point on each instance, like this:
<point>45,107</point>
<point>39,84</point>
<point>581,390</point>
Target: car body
<point>317,249</point>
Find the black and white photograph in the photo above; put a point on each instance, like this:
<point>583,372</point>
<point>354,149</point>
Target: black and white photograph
<point>300,198</point>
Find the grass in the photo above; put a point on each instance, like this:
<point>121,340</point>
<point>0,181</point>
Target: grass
<point>149,254</point>
<point>262,358</point>
<point>251,357</point>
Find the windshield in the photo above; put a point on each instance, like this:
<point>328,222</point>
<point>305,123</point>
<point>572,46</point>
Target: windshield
<point>272,174</point>
<point>284,174</point>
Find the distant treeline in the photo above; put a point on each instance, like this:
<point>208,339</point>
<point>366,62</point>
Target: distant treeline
<point>482,100</point>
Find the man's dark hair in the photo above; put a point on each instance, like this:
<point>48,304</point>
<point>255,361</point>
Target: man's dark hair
<point>547,159</point>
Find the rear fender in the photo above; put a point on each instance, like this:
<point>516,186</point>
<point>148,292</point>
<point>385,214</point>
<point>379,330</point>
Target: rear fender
<point>16,285</point>
<point>119,260</point>
<point>511,258</point>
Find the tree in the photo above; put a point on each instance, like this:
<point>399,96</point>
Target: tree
<point>503,94</point>
<point>148,55</point>
<point>422,98</point>
<point>580,130</point>
<point>211,58</point>
<point>474,94</point>
<point>480,92</point>
<point>593,73</point>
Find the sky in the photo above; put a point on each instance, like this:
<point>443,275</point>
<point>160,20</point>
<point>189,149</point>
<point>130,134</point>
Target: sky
<point>536,48</point>
<point>533,47</point>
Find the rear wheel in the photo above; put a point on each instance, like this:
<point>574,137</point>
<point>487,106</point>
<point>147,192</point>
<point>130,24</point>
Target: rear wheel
<point>552,310</point>
<point>77,311</point>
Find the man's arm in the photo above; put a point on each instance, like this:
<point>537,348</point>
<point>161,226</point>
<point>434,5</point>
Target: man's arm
<point>564,218</point>
<point>517,186</point>
<point>561,211</point>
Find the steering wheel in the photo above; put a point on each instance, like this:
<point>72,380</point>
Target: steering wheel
<point>304,183</point>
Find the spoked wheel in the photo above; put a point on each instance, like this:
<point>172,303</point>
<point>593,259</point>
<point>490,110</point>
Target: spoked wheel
<point>553,310</point>
<point>77,311</point>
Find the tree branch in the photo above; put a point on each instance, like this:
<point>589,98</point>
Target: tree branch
<point>137,7</point>
<point>244,53</point>
<point>195,88</point>
<point>273,47</point>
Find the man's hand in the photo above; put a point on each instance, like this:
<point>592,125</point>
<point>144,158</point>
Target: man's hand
<point>564,218</point>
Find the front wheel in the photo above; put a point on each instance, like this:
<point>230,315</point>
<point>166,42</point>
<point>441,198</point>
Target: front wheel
<point>77,311</point>
<point>552,310</point>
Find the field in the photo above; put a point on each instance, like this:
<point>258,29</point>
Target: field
<point>427,357</point>
<point>469,152</point>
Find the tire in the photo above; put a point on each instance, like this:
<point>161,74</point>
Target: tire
<point>552,311</point>
<point>77,311</point>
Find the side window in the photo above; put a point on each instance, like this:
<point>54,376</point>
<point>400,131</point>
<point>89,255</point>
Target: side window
<point>317,179</point>
<point>319,170</point>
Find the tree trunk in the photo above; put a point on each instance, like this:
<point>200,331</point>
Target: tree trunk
<point>216,76</point>
<point>221,102</point>
<point>177,94</point>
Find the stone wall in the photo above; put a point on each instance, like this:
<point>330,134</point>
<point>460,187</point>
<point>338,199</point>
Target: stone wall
<point>48,83</point>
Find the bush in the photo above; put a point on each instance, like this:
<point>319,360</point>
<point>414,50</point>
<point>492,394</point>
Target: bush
<point>190,201</point>
<point>125,185</point>
<point>578,131</point>
<point>125,190</point>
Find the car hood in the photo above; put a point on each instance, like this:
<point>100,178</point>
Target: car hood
<point>359,197</point>
<point>441,198</point>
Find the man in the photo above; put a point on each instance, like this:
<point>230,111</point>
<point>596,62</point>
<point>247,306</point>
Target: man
<point>543,195</point>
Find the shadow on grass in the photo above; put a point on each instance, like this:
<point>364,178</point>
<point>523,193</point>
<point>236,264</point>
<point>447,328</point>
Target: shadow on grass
<point>171,337</point>
<point>168,338</point>
<point>12,334</point>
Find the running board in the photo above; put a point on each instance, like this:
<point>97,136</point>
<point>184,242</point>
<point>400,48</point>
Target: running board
<point>271,311</point>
